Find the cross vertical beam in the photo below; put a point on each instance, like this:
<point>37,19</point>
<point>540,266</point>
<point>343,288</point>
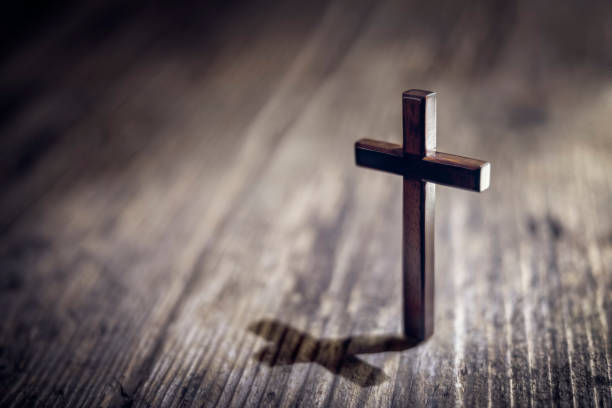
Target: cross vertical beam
<point>421,166</point>
<point>419,123</point>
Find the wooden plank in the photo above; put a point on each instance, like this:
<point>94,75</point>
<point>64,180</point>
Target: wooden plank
<point>418,211</point>
<point>142,265</point>
<point>124,346</point>
<point>438,167</point>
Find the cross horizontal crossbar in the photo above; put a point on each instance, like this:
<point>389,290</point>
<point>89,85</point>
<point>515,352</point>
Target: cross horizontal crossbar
<point>435,167</point>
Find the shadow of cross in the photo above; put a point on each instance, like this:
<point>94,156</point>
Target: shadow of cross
<point>422,167</point>
<point>289,345</point>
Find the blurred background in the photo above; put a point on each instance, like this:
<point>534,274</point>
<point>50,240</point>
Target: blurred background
<point>173,172</point>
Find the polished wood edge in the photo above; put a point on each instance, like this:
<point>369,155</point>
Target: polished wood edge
<point>455,161</point>
<point>485,177</point>
<point>417,93</point>
<point>393,149</point>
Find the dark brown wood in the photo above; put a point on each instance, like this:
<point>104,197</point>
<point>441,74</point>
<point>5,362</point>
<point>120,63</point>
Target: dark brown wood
<point>437,167</point>
<point>419,129</point>
<point>421,166</point>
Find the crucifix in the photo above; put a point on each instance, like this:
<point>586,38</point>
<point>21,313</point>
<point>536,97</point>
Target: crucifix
<point>421,166</point>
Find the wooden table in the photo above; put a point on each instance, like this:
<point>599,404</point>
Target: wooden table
<point>183,222</point>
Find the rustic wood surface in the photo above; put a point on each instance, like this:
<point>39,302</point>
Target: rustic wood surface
<point>183,222</point>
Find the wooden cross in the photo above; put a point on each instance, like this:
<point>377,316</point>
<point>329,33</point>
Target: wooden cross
<point>421,166</point>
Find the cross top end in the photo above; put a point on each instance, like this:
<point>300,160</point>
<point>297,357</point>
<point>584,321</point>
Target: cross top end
<point>421,167</point>
<point>417,158</point>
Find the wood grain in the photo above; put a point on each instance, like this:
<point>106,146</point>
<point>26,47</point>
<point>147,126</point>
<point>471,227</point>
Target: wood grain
<point>183,224</point>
